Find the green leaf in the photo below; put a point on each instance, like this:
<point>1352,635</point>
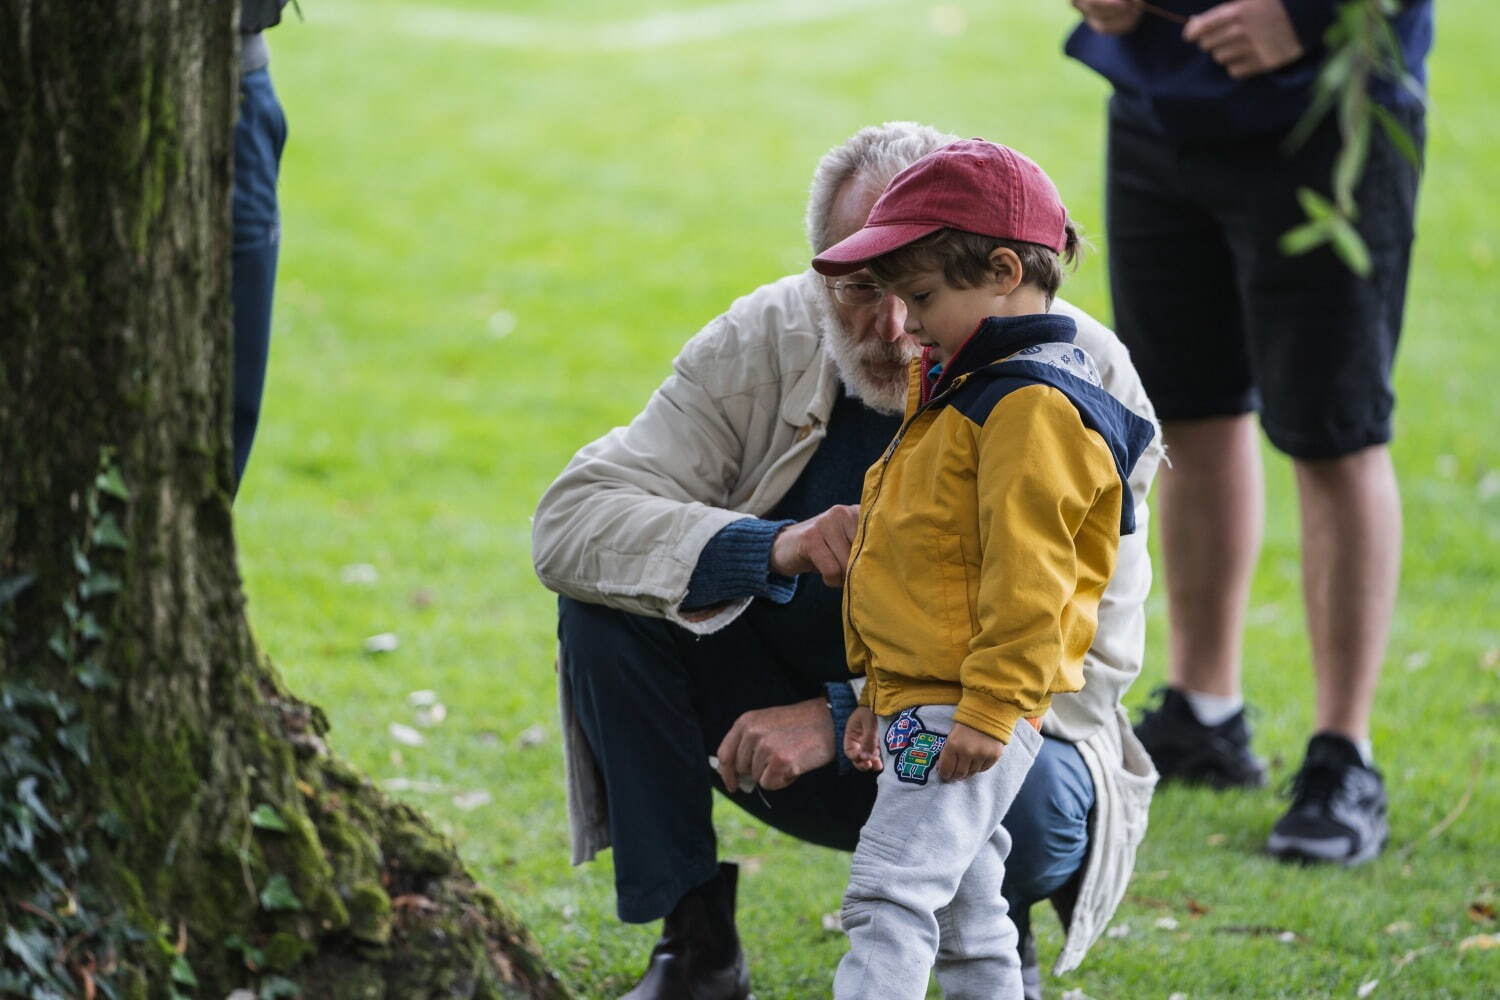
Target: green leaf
<point>101,583</point>
<point>1301,239</point>
<point>1350,247</point>
<point>107,533</point>
<point>113,824</point>
<point>1316,206</point>
<point>265,817</point>
<point>61,645</point>
<point>92,675</point>
<point>278,896</point>
<point>80,561</point>
<point>182,972</point>
<point>88,628</point>
<point>111,482</point>
<point>1395,132</point>
<point>11,587</point>
<point>26,792</point>
<point>278,988</point>
<point>76,739</point>
<point>31,947</point>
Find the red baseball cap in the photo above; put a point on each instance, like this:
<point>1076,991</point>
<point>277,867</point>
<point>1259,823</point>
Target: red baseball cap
<point>974,185</point>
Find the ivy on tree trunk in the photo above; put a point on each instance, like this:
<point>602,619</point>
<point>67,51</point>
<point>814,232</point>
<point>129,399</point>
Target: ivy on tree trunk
<point>172,823</point>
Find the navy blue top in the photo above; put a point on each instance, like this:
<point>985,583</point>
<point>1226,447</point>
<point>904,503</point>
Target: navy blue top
<point>1175,88</point>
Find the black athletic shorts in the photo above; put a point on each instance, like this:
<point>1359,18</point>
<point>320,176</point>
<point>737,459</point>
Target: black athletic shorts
<point>1219,322</point>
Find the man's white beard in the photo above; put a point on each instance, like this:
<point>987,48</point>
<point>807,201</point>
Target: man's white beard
<point>873,372</point>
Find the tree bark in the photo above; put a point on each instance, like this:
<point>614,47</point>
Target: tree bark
<point>171,821</point>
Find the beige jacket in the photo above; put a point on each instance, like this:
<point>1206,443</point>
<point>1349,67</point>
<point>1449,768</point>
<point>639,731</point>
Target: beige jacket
<point>725,437</point>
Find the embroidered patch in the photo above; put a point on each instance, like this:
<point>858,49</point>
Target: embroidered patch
<point>913,763</point>
<point>915,747</point>
<point>902,728</point>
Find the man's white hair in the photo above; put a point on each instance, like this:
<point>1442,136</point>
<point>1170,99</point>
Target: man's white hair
<point>874,154</point>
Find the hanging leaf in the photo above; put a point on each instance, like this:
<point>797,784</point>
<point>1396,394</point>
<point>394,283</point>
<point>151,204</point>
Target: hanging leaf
<point>107,533</point>
<point>182,972</point>
<point>278,988</point>
<point>278,896</point>
<point>1350,247</point>
<point>265,817</point>
<point>76,739</point>
<point>100,583</point>
<point>1397,134</point>
<point>11,587</point>
<point>110,481</point>
<point>1306,237</point>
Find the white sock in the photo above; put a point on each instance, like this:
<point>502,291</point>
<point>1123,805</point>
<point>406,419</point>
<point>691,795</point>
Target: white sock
<point>1366,752</point>
<point>1212,709</point>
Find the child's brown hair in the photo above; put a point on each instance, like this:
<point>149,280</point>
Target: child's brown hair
<point>964,258</point>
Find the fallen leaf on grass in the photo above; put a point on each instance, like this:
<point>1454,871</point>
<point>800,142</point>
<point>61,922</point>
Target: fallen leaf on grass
<point>1490,659</point>
<point>1118,931</point>
<point>432,715</point>
<point>1196,908</point>
<point>751,865</point>
<point>1166,924</point>
<point>422,699</point>
<point>406,735</point>
<point>472,800</point>
<point>1365,989</point>
<point>1482,942</point>
<point>1177,996</point>
<point>532,737</point>
<point>1076,995</point>
<point>382,642</point>
<point>1411,957</point>
<point>413,902</point>
<point>832,924</point>
<point>1399,927</point>
<point>360,573</point>
<point>1215,839</point>
<point>1481,912</point>
<point>422,597</point>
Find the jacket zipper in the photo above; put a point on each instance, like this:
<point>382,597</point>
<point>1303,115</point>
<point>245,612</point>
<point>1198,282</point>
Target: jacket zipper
<point>885,461</point>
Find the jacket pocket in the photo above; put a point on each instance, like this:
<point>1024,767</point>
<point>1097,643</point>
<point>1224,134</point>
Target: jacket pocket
<point>957,611</point>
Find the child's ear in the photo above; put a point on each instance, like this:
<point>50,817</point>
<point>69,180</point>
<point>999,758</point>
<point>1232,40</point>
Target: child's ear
<point>1005,265</point>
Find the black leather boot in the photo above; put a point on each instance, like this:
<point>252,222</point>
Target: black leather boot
<point>698,956</point>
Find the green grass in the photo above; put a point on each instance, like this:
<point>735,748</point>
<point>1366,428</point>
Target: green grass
<point>491,253</point>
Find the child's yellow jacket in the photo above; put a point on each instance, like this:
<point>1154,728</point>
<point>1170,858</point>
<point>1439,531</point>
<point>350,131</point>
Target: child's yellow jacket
<point>988,529</point>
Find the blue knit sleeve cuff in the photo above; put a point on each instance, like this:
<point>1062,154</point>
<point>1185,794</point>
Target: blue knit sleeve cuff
<point>841,705</point>
<point>736,563</point>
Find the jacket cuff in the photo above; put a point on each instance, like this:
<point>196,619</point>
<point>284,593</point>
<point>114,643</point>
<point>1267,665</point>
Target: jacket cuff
<point>1310,22</point>
<point>841,704</point>
<point>735,564</point>
<point>987,714</point>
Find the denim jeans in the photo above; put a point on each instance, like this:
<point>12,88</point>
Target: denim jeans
<point>655,701</point>
<point>259,135</point>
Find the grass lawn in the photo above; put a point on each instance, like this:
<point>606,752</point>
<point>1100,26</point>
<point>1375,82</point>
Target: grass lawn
<point>499,227</point>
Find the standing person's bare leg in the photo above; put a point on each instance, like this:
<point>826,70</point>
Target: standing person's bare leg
<point>1351,559</point>
<point>1211,500</point>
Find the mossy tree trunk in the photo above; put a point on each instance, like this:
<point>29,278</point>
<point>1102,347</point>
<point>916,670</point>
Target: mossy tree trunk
<point>171,821</point>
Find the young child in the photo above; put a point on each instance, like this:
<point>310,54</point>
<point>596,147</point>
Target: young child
<point>987,534</point>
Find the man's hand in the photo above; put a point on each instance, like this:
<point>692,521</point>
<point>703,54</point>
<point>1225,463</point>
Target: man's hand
<point>1246,37</point>
<point>775,746</point>
<point>967,752</point>
<point>859,740</point>
<point>1109,17</point>
<point>818,545</point>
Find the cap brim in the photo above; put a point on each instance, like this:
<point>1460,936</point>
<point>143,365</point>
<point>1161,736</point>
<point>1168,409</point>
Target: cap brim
<point>847,256</point>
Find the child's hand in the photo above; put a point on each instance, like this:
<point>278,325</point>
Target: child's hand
<point>967,752</point>
<point>859,740</point>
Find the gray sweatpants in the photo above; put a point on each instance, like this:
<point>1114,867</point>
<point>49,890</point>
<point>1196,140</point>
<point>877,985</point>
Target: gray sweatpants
<point>924,883</point>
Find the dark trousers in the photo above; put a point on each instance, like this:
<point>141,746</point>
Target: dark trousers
<point>259,135</point>
<point>655,701</point>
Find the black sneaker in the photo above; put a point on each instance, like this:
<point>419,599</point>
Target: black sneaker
<point>1184,749</point>
<point>1338,807</point>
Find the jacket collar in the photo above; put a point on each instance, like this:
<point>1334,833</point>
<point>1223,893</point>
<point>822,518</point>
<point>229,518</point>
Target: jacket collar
<point>997,338</point>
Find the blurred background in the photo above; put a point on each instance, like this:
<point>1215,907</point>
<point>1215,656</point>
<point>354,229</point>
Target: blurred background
<point>501,221</point>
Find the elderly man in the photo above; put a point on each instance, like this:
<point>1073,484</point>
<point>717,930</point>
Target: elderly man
<point>699,552</point>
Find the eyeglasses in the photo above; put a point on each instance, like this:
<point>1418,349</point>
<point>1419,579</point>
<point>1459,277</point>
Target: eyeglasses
<point>858,294</point>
